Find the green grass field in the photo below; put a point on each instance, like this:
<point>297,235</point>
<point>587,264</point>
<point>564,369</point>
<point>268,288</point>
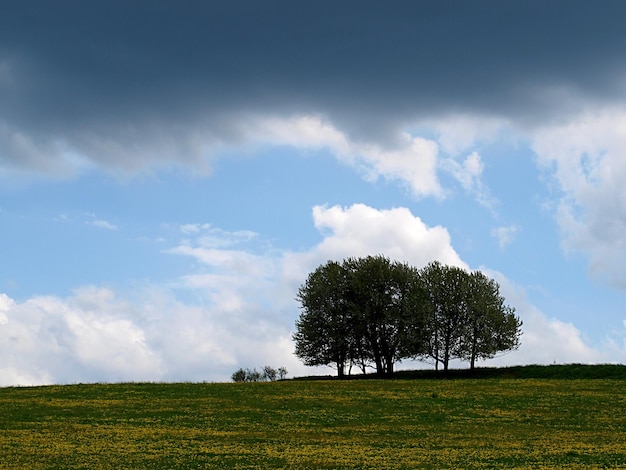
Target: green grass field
<point>419,423</point>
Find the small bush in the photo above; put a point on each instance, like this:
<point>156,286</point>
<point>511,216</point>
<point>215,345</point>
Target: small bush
<point>269,374</point>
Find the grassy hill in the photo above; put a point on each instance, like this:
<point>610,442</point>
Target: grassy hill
<point>517,418</point>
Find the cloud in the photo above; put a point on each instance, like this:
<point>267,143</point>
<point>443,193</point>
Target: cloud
<point>586,159</point>
<point>407,94</point>
<point>23,152</point>
<point>468,173</point>
<point>87,218</point>
<point>193,228</point>
<point>505,235</point>
<point>103,224</point>
<point>86,337</point>
<point>73,97</point>
<point>411,160</point>
<point>96,335</point>
<point>458,133</point>
<point>212,237</point>
<point>359,230</point>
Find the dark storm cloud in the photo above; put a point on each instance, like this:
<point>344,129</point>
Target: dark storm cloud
<point>113,68</point>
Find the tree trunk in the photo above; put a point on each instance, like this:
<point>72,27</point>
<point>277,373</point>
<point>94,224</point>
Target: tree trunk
<point>380,368</point>
<point>390,368</point>
<point>473,356</point>
<point>340,370</point>
<point>474,346</point>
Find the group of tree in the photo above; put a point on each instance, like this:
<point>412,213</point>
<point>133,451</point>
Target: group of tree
<point>374,312</point>
<point>267,374</point>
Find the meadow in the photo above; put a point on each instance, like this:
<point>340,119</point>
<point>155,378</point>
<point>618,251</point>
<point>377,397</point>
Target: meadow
<point>383,424</point>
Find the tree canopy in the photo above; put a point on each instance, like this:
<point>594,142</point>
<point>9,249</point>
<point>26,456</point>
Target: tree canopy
<point>374,312</point>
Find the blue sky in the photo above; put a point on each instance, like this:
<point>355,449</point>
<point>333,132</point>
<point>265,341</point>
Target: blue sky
<point>169,174</point>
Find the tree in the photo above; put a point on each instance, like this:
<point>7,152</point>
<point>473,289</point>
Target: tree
<point>269,373</point>
<point>246,375</point>
<point>447,291</point>
<point>324,335</point>
<point>373,311</point>
<point>387,300</point>
<point>491,326</point>
<point>363,311</point>
<point>239,375</point>
<point>469,319</point>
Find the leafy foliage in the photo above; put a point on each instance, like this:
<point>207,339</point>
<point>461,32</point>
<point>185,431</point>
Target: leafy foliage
<point>373,312</point>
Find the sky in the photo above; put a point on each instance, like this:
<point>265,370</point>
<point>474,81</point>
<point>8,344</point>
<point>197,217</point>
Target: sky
<point>170,172</point>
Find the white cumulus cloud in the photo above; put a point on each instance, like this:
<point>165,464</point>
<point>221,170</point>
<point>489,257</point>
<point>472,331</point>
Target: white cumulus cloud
<point>361,230</point>
<point>88,336</point>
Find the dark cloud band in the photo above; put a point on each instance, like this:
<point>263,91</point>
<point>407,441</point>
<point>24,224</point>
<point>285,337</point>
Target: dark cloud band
<point>95,66</point>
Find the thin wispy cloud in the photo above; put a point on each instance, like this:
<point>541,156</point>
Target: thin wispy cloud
<point>505,235</point>
<point>103,224</point>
